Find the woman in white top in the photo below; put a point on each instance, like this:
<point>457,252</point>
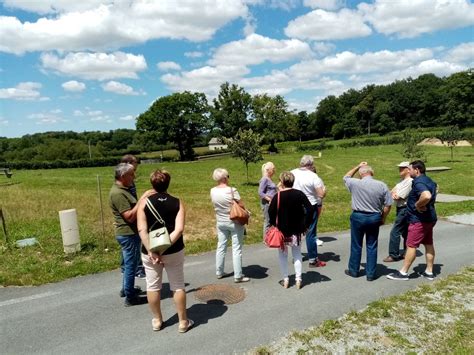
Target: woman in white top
<point>221,196</point>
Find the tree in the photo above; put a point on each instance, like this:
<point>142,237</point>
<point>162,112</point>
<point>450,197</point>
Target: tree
<point>231,110</point>
<point>459,103</point>
<point>270,115</point>
<point>246,146</point>
<point>410,148</point>
<point>178,118</point>
<point>451,135</point>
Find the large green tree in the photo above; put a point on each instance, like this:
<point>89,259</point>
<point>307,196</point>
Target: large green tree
<point>178,118</point>
<point>231,110</point>
<point>270,116</point>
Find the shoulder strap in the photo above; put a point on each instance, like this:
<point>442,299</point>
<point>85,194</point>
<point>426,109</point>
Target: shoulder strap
<point>154,211</point>
<point>232,193</point>
<point>278,207</point>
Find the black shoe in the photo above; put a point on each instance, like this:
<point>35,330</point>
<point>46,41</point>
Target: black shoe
<point>348,273</point>
<point>398,276</point>
<point>427,276</point>
<point>137,290</point>
<point>134,301</point>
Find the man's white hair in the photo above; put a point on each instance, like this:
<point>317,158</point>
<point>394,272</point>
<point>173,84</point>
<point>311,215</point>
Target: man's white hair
<point>307,160</point>
<point>366,169</point>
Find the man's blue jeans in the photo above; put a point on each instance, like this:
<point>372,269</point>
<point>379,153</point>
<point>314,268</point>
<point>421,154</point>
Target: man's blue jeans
<point>311,234</point>
<point>367,224</point>
<point>399,229</point>
<point>130,245</point>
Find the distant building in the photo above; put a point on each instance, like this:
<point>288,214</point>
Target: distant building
<point>216,144</point>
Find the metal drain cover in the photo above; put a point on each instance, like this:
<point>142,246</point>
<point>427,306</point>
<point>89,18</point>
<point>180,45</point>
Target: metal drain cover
<point>213,293</point>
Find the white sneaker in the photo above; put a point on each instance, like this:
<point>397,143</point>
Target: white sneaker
<point>319,242</point>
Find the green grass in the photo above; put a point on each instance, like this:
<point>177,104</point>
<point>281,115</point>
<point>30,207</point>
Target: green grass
<point>31,200</point>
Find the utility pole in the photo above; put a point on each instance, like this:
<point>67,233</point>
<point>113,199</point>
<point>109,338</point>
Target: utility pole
<point>90,153</point>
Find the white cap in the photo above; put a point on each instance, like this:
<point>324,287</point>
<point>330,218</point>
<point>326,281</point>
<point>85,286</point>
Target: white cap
<point>404,164</point>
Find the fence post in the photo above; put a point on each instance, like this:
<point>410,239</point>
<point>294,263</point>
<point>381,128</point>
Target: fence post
<point>99,192</point>
<point>2,217</point>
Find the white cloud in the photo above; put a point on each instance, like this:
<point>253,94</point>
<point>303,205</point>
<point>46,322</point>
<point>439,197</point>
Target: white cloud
<point>28,91</point>
<point>94,113</point>
<point>323,48</point>
<point>322,25</point>
<point>350,63</point>
<point>167,66</point>
<point>46,118</point>
<point>4,122</point>
<point>256,49</point>
<point>98,66</point>
<point>78,113</point>
<point>464,53</point>
<point>119,88</point>
<point>194,54</point>
<point>324,4</point>
<point>54,6</point>
<point>206,79</point>
<point>411,18</point>
<point>74,86</point>
<point>127,118</point>
<point>118,24</point>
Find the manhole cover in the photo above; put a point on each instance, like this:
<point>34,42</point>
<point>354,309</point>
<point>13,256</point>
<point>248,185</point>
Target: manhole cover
<point>220,293</point>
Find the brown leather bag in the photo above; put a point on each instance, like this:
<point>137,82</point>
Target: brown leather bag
<point>238,212</point>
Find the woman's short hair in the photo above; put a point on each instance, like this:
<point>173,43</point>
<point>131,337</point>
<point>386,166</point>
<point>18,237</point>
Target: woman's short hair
<point>287,178</point>
<point>220,174</point>
<point>122,169</point>
<point>307,160</point>
<point>160,180</point>
<point>267,166</point>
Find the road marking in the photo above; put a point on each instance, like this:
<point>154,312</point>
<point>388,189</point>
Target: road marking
<point>28,298</point>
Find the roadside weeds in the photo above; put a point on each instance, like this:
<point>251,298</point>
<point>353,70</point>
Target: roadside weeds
<point>435,318</point>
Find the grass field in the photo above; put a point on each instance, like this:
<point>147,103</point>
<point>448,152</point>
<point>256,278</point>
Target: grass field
<point>31,200</point>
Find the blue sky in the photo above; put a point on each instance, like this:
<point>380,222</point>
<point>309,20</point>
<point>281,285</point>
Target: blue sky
<point>96,64</point>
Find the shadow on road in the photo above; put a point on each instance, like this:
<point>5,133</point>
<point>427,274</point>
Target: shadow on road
<point>327,239</point>
<point>329,256</point>
<point>201,313</point>
<point>255,271</point>
<point>312,277</point>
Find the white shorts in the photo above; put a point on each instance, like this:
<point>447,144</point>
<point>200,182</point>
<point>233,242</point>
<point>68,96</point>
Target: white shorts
<point>174,266</point>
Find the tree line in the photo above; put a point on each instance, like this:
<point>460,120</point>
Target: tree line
<point>186,120</point>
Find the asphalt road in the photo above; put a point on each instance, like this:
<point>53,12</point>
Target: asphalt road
<point>85,315</point>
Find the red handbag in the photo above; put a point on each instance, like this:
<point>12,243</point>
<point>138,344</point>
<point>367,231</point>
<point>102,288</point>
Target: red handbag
<point>274,237</point>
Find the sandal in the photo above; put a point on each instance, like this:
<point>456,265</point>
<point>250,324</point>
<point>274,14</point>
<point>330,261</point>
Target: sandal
<point>156,324</point>
<point>185,329</point>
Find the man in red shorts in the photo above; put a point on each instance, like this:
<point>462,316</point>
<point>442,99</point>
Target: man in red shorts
<point>421,218</point>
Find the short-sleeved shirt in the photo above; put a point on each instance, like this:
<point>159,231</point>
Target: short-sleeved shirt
<point>221,198</point>
<point>419,185</point>
<point>266,188</point>
<point>307,182</point>
<point>168,207</point>
<point>368,194</point>
<point>402,189</point>
<point>120,201</point>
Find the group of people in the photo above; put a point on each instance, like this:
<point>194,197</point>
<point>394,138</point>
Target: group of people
<point>293,205</point>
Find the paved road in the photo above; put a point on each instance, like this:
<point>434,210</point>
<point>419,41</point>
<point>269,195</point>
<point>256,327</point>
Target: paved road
<point>86,315</point>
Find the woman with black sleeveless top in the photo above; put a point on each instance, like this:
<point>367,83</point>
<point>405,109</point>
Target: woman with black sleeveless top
<point>172,212</point>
